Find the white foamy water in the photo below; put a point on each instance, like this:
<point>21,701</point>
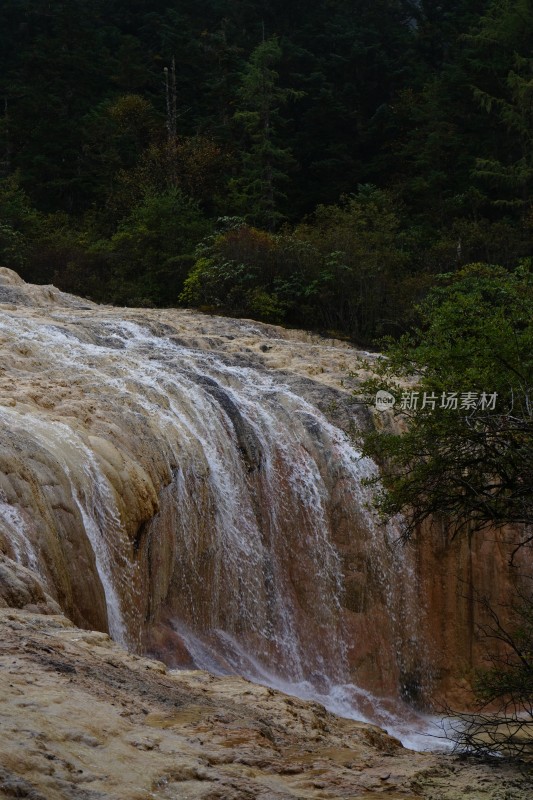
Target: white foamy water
<point>14,525</point>
<point>91,495</point>
<point>223,655</point>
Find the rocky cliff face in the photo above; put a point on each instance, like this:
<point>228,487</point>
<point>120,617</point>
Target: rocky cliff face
<point>459,582</point>
<point>186,484</point>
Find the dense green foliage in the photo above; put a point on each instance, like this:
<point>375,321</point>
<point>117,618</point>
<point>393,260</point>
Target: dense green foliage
<point>365,147</point>
<point>464,381</point>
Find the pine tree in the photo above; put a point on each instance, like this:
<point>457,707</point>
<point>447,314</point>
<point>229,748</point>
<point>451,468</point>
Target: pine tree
<point>258,190</point>
<point>503,89</point>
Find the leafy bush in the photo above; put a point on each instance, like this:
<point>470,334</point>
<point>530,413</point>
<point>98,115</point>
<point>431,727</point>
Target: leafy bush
<point>153,249</point>
<point>472,463</point>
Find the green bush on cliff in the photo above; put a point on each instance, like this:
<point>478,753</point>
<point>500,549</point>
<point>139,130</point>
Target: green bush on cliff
<point>464,381</point>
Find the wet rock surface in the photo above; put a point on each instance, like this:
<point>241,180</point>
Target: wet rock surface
<point>164,466</point>
<point>20,588</point>
<point>80,719</point>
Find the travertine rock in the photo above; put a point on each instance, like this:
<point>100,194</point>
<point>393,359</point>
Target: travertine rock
<point>81,719</point>
<point>19,588</point>
<point>168,475</point>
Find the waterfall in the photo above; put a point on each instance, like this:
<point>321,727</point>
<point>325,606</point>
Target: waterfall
<point>215,500</point>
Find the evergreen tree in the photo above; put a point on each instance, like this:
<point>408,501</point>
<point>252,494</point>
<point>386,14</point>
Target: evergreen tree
<point>53,80</point>
<point>258,191</point>
<point>503,89</point>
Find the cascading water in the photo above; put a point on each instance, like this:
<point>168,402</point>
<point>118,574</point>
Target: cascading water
<point>92,497</point>
<point>14,524</point>
<point>223,508</point>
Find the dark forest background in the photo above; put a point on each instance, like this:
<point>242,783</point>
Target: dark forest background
<point>316,164</point>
